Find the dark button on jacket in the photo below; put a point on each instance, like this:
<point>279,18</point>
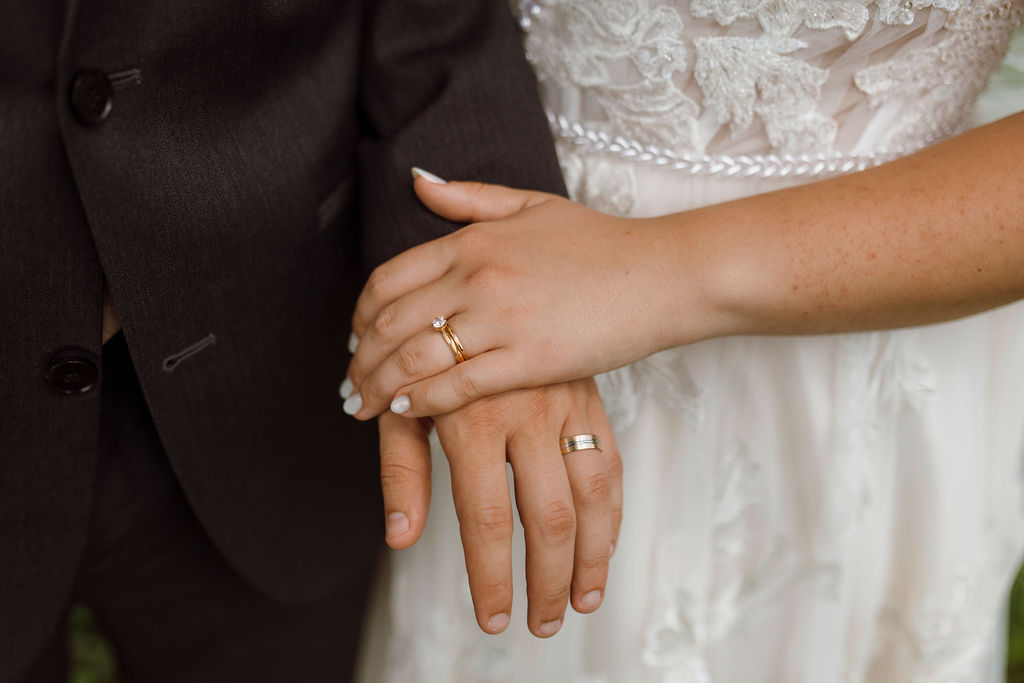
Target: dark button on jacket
<point>92,97</point>
<point>71,374</point>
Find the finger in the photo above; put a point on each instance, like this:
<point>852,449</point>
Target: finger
<point>487,374</point>
<point>472,202</point>
<point>476,454</point>
<point>544,499</point>
<point>612,459</point>
<point>589,481</point>
<point>405,273</point>
<point>404,478</point>
<point>424,355</point>
<point>396,323</point>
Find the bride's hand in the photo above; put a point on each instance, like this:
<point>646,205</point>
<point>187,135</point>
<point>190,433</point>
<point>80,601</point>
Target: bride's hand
<point>538,289</point>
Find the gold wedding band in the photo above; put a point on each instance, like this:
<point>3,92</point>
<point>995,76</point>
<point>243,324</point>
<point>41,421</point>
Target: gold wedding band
<point>450,338</point>
<point>580,442</point>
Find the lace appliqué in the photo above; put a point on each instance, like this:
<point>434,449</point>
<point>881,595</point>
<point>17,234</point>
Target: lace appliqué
<point>744,573</point>
<point>744,76</point>
<point>663,375</point>
<point>589,41</point>
<point>783,17</point>
<point>945,640</point>
<point>649,94</point>
<point>904,11</point>
<point>938,85</point>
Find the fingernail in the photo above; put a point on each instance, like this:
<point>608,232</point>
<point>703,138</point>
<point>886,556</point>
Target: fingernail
<point>591,600</point>
<point>353,342</point>
<point>497,623</point>
<point>346,388</point>
<point>549,629</point>
<point>401,404</point>
<point>418,172</point>
<point>352,404</point>
<point>397,524</point>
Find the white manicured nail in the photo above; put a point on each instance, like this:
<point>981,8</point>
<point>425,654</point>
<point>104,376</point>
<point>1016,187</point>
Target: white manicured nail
<point>418,172</point>
<point>401,404</point>
<point>352,404</point>
<point>353,342</point>
<point>346,388</point>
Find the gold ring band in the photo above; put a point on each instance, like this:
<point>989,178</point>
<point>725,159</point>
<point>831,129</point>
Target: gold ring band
<point>451,339</point>
<point>580,442</point>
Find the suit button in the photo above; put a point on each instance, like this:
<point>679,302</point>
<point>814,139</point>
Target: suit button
<point>71,374</point>
<point>92,97</point>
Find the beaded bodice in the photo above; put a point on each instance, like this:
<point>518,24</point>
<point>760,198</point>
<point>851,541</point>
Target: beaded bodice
<point>763,87</point>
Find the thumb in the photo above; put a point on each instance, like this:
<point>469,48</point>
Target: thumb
<point>404,477</point>
<point>472,202</point>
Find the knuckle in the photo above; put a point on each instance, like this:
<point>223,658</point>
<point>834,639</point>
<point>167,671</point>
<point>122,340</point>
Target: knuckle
<point>464,387</point>
<point>377,283</point>
<point>593,562</point>
<point>541,404</point>
<point>595,489</point>
<point>409,359</point>
<point>614,461</point>
<point>556,595</point>
<point>558,521</point>
<point>492,590</point>
<point>475,187</point>
<point>491,523</point>
<point>472,239</point>
<point>384,323</point>
<point>396,476</point>
<point>485,278</point>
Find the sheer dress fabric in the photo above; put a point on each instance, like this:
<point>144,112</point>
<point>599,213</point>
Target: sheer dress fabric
<point>832,509</point>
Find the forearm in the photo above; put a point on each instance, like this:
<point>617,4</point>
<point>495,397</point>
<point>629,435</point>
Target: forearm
<point>932,237</point>
<point>548,290</point>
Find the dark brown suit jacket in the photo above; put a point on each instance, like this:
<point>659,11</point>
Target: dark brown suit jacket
<point>248,168</point>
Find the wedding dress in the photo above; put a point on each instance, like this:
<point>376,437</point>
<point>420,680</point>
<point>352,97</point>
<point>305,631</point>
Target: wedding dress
<point>830,509</point>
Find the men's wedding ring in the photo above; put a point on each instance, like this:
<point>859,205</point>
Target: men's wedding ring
<point>451,339</point>
<point>580,442</point>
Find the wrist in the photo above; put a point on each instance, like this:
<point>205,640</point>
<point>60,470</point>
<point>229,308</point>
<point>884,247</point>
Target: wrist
<point>700,285</point>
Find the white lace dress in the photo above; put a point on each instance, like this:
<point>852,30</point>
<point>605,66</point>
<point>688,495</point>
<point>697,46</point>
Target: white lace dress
<point>797,510</point>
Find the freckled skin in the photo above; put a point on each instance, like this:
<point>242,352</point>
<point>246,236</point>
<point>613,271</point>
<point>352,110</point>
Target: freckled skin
<point>935,236</point>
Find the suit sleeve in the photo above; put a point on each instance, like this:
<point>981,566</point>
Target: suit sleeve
<point>445,86</point>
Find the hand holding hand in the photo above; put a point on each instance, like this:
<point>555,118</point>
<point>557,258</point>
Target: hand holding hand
<point>539,289</point>
<point>570,506</point>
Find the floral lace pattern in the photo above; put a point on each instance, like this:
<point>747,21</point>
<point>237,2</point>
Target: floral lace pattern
<point>744,76</point>
<point>664,76</point>
<point>925,79</point>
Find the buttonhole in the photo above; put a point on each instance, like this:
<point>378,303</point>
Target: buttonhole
<point>172,361</point>
<point>123,78</point>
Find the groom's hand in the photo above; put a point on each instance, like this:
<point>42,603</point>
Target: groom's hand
<point>570,506</point>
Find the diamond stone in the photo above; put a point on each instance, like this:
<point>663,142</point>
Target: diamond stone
<point>439,323</point>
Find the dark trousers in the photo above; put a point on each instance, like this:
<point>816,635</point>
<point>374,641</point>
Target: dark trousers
<point>174,609</point>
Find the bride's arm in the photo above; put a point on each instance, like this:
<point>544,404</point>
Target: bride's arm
<point>542,290</point>
<point>932,237</point>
